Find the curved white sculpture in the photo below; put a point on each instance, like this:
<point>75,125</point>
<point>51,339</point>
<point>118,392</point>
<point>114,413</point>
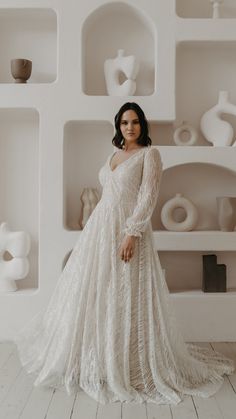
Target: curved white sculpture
<point>184,127</point>
<point>17,243</point>
<point>214,129</point>
<point>112,69</point>
<point>89,199</point>
<point>170,206</point>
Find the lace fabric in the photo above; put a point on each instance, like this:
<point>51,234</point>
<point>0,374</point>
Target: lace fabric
<point>109,327</point>
<point>137,223</point>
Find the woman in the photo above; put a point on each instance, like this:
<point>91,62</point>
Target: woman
<point>109,327</point>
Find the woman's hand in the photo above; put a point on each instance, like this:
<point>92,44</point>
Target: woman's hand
<point>126,249</point>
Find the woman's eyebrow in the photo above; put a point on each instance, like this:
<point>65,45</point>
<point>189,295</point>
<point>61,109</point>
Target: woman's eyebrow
<point>136,119</point>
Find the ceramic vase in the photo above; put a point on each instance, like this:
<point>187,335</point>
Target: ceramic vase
<point>89,199</point>
<point>226,207</point>
<point>184,127</point>
<point>21,69</point>
<point>216,8</point>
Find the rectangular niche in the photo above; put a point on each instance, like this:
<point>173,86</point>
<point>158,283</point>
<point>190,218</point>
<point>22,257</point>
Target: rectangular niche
<point>183,270</point>
<point>86,147</point>
<point>30,34</point>
<point>202,70</point>
<point>201,183</point>
<point>203,9</point>
<point>19,180</point>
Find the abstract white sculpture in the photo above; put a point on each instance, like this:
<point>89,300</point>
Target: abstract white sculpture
<point>17,243</point>
<point>214,129</point>
<point>185,128</point>
<point>170,206</point>
<point>216,8</point>
<point>112,70</point>
<point>89,199</point>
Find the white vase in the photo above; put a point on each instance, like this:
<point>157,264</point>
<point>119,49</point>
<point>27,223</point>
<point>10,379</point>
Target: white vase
<point>112,70</point>
<point>216,8</point>
<point>17,244</point>
<point>214,129</point>
<point>184,127</point>
<point>167,214</point>
<point>226,207</point>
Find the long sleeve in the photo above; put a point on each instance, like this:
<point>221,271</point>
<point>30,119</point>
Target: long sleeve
<point>148,193</point>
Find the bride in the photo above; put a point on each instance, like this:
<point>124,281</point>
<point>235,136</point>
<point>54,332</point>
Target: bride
<point>109,328</point>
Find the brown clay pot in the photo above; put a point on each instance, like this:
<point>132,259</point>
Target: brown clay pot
<point>21,69</point>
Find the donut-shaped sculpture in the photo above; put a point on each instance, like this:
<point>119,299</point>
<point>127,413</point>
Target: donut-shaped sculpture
<point>185,128</point>
<point>167,214</point>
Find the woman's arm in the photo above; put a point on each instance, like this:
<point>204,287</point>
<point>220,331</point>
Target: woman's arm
<point>137,223</point>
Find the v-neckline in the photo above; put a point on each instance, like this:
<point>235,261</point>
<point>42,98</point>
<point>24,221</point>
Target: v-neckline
<point>110,159</point>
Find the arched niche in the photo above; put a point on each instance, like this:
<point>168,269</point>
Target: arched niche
<point>107,29</point>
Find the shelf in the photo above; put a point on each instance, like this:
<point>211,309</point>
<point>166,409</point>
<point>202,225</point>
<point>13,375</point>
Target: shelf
<point>216,156</point>
<point>195,240</point>
<point>207,30</point>
<point>22,292</point>
<point>31,34</point>
<point>184,241</point>
<point>104,24</point>
<point>231,292</point>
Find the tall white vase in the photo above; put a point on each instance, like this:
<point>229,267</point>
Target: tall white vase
<point>112,70</point>
<point>216,8</point>
<point>214,129</point>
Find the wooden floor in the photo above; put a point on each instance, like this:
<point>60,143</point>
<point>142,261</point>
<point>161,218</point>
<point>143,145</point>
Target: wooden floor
<point>20,399</point>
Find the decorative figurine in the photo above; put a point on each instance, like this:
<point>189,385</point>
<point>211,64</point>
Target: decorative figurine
<point>214,275</point>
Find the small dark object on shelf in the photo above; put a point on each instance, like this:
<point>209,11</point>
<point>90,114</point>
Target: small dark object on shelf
<point>214,276</point>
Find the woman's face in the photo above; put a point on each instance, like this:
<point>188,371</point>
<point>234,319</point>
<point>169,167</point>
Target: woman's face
<point>130,127</point>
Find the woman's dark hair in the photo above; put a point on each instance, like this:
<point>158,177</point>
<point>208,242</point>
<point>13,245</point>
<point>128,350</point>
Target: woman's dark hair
<point>144,138</point>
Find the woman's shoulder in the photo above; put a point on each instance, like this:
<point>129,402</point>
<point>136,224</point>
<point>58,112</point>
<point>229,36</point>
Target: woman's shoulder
<point>152,151</point>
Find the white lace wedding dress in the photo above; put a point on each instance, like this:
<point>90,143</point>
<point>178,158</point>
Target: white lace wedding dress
<point>109,328</point>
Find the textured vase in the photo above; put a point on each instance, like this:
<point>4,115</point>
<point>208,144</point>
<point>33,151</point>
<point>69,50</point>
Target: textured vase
<point>89,199</point>
<point>16,244</point>
<point>127,65</point>
<point>170,206</point>
<point>21,69</point>
<point>214,129</point>
<point>226,207</point>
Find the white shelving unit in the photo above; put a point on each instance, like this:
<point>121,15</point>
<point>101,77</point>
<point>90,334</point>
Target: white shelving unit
<point>70,126</point>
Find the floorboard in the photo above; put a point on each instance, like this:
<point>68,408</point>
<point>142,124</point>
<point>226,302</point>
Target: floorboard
<point>20,399</point>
